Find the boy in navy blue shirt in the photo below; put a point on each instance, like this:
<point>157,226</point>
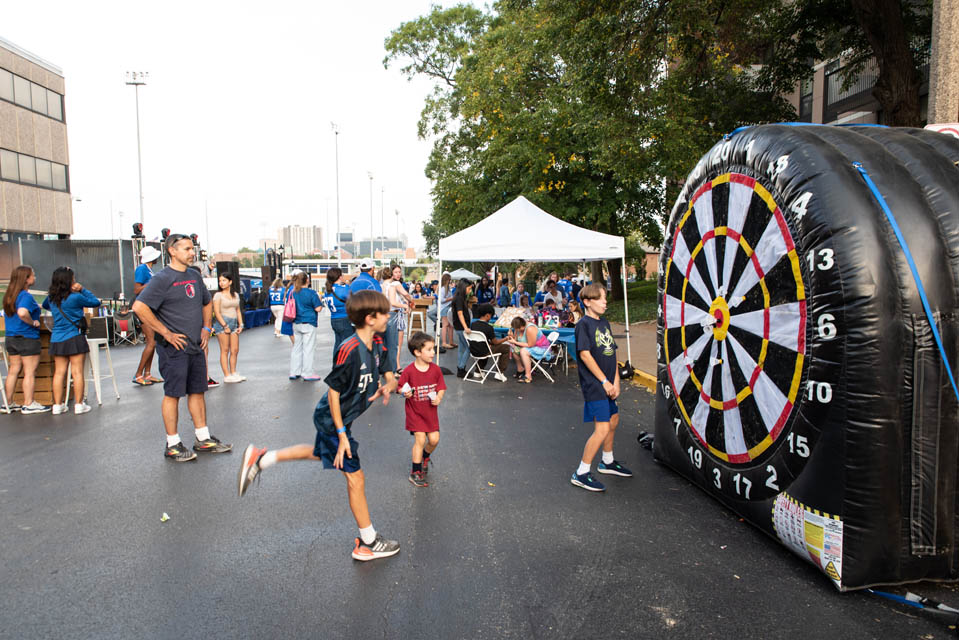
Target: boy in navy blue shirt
<point>354,383</point>
<point>599,380</point>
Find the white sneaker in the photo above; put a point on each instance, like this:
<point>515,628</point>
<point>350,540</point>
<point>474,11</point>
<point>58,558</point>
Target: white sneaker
<point>231,378</point>
<point>60,408</point>
<point>83,407</point>
<point>500,377</point>
<point>238,377</point>
<point>476,375</point>
<point>34,407</point>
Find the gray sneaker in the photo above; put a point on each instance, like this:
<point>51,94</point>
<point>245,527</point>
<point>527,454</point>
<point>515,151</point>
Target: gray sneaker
<point>179,453</point>
<point>12,407</point>
<point>34,407</point>
<point>381,548</point>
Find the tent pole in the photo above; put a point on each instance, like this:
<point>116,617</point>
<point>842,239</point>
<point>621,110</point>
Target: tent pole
<point>439,317</point>
<point>629,351</point>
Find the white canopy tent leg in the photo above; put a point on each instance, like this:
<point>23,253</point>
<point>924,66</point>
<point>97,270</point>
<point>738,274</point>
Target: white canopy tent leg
<point>439,317</point>
<point>629,352</point>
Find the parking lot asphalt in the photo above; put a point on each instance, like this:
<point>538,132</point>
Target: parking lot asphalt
<point>499,546</point>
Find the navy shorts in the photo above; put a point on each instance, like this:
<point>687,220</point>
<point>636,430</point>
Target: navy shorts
<point>599,410</point>
<point>327,444</point>
<point>183,373</point>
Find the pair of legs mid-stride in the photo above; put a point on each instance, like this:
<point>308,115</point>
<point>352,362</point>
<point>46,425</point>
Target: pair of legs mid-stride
<point>604,431</point>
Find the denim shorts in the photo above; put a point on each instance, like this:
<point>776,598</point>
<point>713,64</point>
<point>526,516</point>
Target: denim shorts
<point>599,410</point>
<point>230,322</point>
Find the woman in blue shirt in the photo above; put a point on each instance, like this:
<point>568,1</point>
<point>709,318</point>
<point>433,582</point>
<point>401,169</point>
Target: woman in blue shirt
<point>142,276</point>
<point>22,315</point>
<point>308,305</point>
<point>277,300</point>
<point>66,300</point>
<point>337,291</point>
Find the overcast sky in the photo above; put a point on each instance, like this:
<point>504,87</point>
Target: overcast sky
<point>236,114</point>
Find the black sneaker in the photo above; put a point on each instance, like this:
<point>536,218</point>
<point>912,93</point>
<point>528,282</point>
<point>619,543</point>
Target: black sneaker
<point>587,482</point>
<point>461,373</point>
<point>249,467</point>
<point>211,445</point>
<point>381,548</point>
<point>417,479</point>
<point>211,383</point>
<point>426,466</point>
<point>179,453</point>
<point>614,469</point>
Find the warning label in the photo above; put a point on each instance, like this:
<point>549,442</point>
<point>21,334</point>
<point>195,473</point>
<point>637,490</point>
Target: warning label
<point>810,533</point>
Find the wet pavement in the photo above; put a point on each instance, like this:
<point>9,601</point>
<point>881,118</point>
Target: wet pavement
<point>499,546</point>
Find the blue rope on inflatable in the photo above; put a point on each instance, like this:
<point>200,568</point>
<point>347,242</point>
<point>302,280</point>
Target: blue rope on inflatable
<point>912,267</point>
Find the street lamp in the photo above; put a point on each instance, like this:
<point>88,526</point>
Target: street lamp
<point>336,145</point>
<point>138,79</point>
<point>370,174</point>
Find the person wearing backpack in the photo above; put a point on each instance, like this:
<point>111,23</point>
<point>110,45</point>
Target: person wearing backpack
<point>66,300</point>
<point>337,291</point>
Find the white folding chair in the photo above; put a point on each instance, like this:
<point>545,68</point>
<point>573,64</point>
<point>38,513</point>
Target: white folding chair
<point>549,355</point>
<point>477,364</point>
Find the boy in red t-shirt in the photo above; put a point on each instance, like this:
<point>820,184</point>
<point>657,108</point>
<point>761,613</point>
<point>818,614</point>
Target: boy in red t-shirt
<point>421,383</point>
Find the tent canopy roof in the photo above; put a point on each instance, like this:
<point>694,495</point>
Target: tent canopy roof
<point>522,232</point>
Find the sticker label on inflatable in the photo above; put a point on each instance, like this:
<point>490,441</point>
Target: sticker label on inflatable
<point>812,534</point>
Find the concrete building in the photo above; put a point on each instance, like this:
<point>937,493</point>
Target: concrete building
<point>823,99</point>
<point>34,162</point>
<point>301,241</point>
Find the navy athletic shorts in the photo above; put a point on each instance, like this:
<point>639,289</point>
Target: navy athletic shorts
<point>325,449</point>
<point>599,410</point>
<point>183,373</point>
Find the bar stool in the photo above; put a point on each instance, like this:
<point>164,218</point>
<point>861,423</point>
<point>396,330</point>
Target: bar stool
<point>93,366</point>
<point>420,317</point>
<point>6,369</point>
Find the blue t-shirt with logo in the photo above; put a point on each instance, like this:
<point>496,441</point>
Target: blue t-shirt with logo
<point>356,377</point>
<point>595,336</point>
<point>566,286</point>
<point>66,316</point>
<point>17,327</point>
<point>365,281</point>
<point>336,301</point>
<point>276,296</point>
<point>307,301</point>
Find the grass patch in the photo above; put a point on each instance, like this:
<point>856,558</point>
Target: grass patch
<point>642,303</point>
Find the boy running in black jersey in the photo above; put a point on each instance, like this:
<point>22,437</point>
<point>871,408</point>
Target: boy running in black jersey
<point>354,383</point>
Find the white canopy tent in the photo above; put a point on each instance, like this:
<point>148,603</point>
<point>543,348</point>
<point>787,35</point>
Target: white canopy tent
<point>522,232</point>
<point>464,273</point>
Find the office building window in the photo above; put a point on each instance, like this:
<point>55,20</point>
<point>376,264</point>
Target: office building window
<point>6,85</point>
<point>21,91</point>
<point>9,169</point>
<point>805,100</point>
<point>17,167</point>
<point>28,169</point>
<point>30,95</point>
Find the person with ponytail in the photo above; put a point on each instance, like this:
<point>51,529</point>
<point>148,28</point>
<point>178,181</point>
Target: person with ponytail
<point>22,315</point>
<point>308,305</point>
<point>66,300</point>
<point>337,291</point>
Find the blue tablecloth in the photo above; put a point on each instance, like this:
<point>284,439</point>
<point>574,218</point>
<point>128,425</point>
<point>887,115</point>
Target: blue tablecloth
<point>256,317</point>
<point>567,335</point>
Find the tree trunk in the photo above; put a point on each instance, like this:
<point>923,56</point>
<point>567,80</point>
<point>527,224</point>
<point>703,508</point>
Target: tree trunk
<point>596,271</point>
<point>897,88</point>
<point>616,278</point>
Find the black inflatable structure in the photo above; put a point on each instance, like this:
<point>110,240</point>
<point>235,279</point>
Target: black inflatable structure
<point>808,343</point>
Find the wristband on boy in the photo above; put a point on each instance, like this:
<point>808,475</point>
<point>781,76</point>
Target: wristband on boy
<point>341,430</point>
<point>604,381</point>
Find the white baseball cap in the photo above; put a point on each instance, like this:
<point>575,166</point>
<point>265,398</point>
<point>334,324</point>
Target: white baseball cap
<point>366,265</point>
<point>149,254</point>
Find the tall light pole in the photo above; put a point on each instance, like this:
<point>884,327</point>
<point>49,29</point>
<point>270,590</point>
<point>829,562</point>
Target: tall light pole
<point>370,174</point>
<point>397,225</point>
<point>382,226</point>
<point>336,146</point>
<point>138,79</point>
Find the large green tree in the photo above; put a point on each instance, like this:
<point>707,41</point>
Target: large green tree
<point>571,103</point>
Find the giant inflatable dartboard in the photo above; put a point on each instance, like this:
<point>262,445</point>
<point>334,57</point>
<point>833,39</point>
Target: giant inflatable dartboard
<point>800,378</point>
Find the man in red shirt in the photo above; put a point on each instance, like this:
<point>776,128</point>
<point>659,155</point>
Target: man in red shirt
<point>421,383</point>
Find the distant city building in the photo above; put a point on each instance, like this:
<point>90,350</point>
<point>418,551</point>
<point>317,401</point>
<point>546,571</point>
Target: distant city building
<point>34,165</point>
<point>267,243</point>
<point>301,241</point>
<point>362,247</point>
